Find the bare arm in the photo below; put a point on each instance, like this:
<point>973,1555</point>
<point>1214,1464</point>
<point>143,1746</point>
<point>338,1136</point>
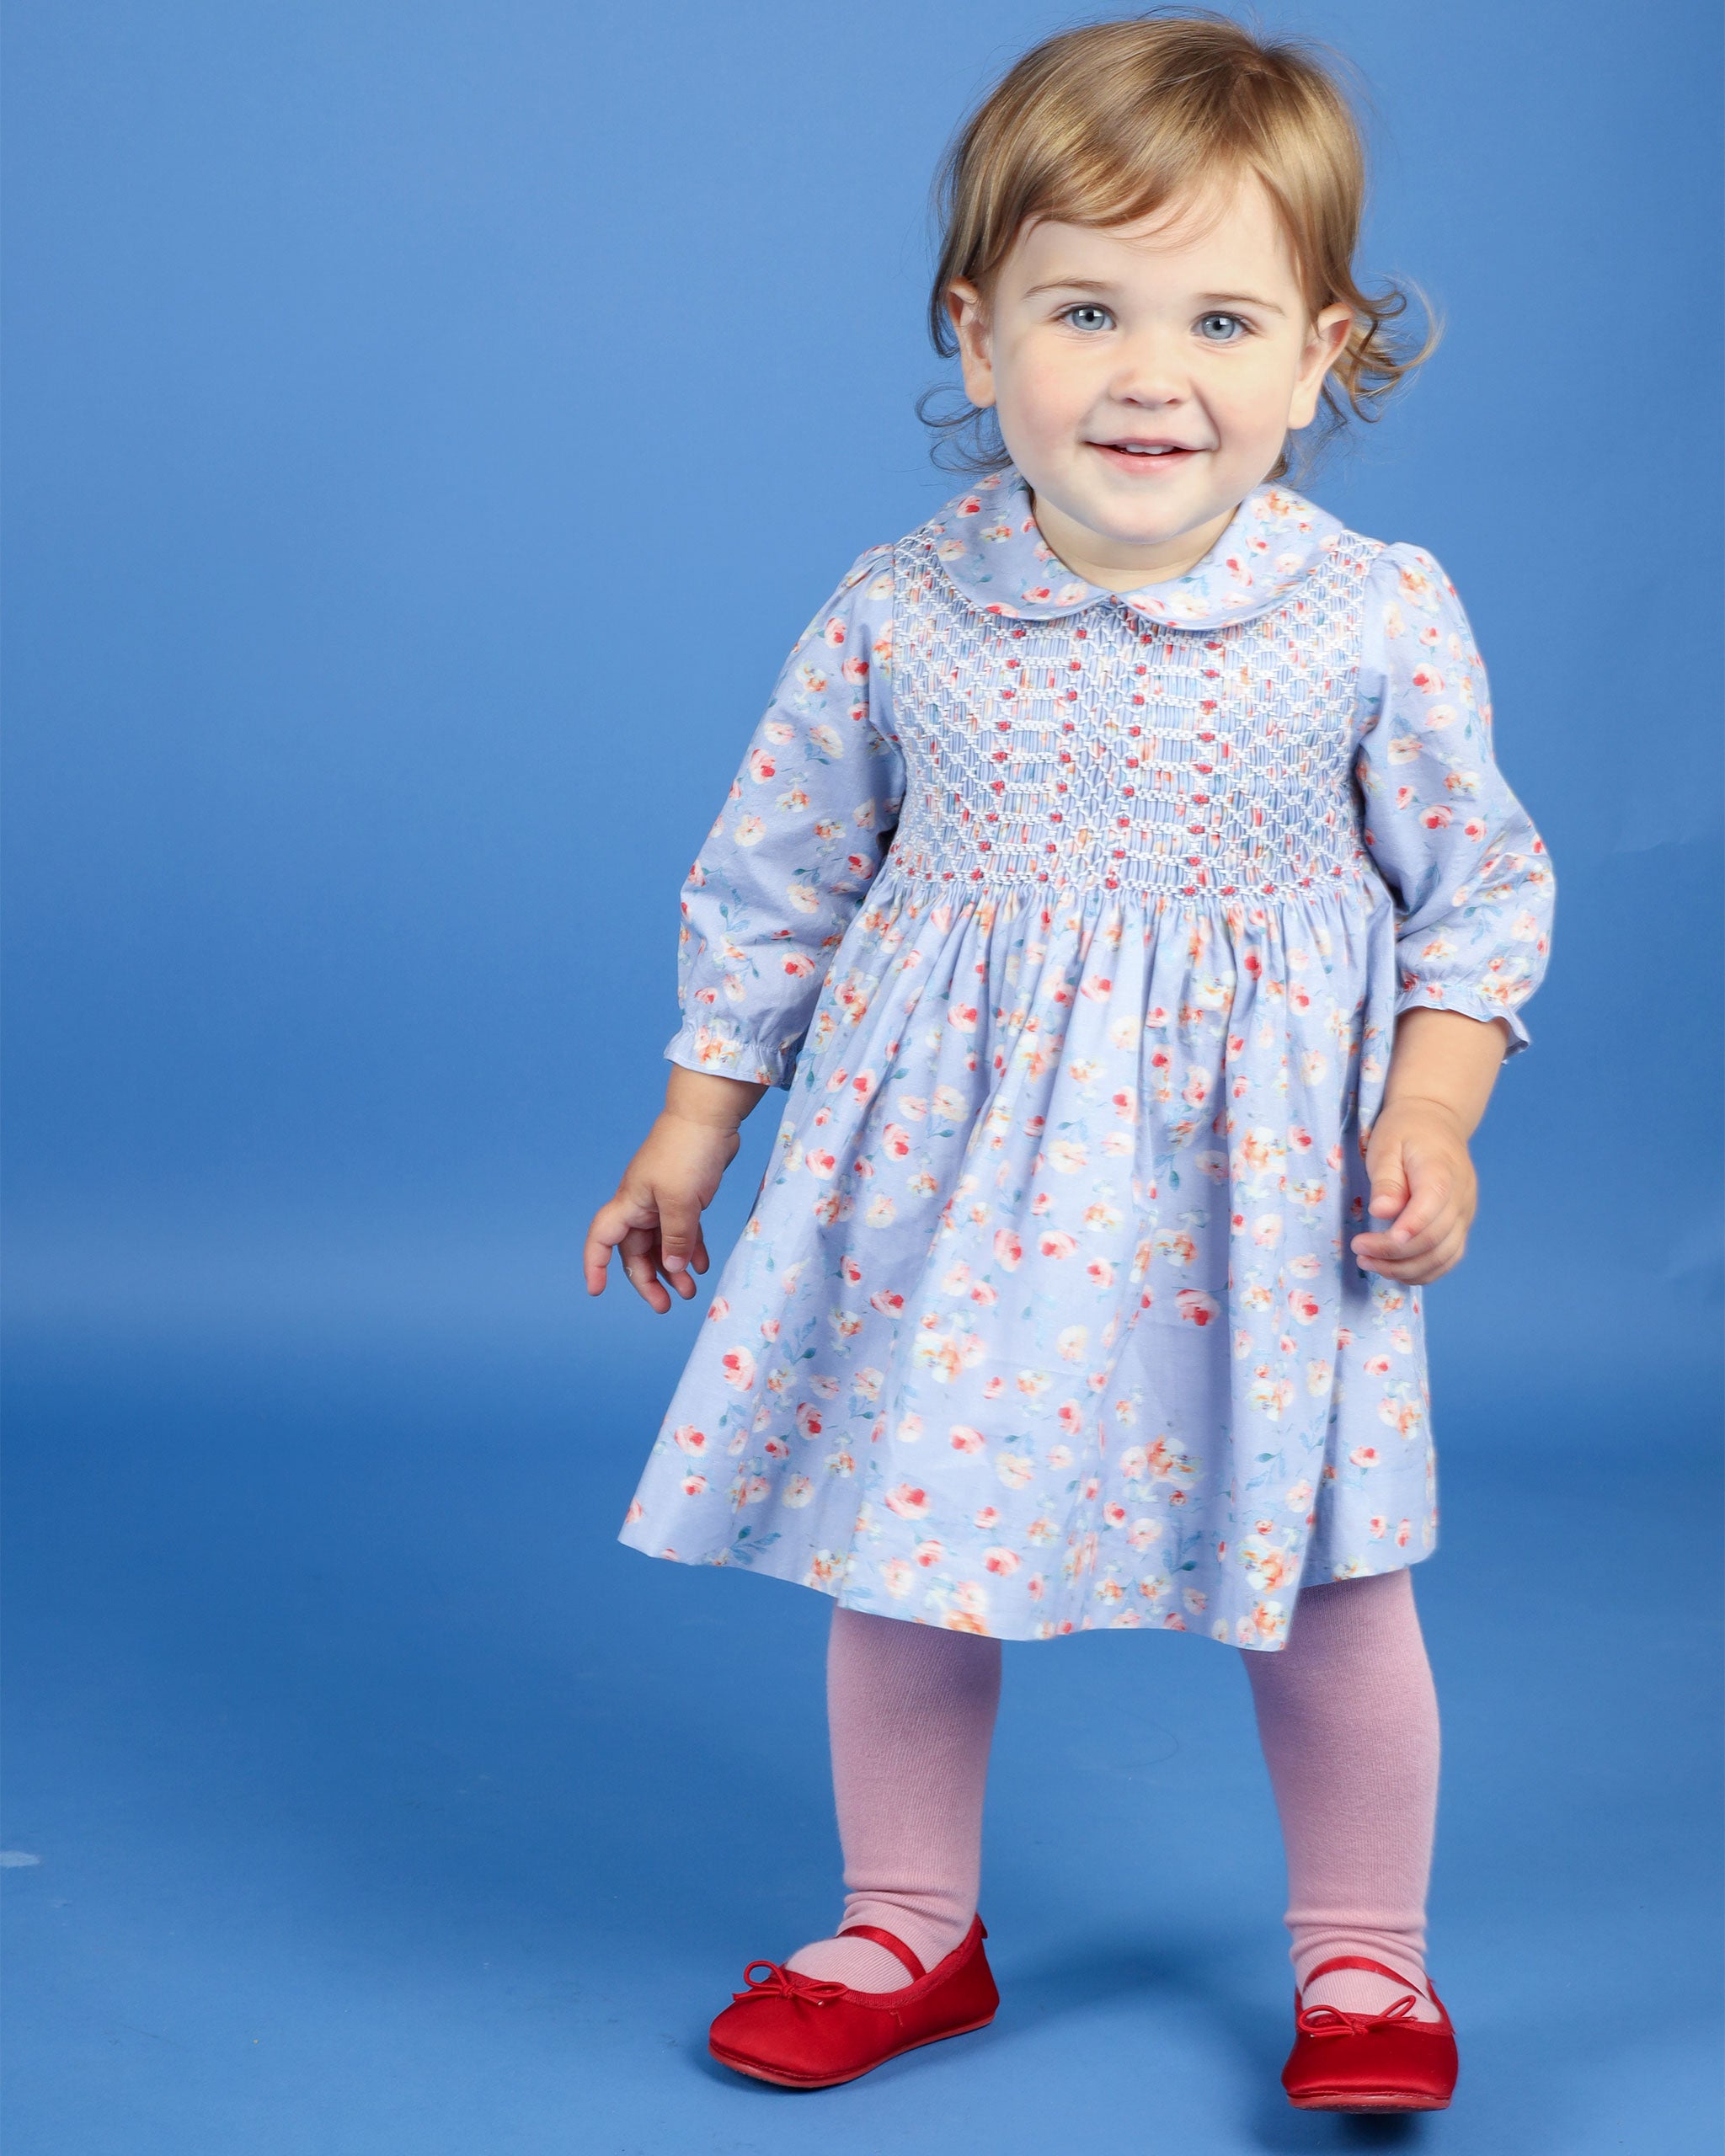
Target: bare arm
<point>1424,1187</point>
<point>655,1216</point>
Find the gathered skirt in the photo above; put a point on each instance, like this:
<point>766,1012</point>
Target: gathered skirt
<point>1045,1317</point>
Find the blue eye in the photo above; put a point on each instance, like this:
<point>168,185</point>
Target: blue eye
<point>1231,321</point>
<point>1098,317</point>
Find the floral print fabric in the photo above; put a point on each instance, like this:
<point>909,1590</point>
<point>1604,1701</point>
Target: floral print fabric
<point>1075,926</point>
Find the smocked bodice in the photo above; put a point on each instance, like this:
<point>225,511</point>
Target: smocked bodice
<point>1102,747</point>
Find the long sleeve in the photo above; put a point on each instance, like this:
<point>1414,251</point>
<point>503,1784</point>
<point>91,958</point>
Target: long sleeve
<point>1470,875</point>
<point>800,838</point>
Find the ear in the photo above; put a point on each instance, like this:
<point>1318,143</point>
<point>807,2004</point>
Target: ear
<point>975,344</point>
<point>1324,344</point>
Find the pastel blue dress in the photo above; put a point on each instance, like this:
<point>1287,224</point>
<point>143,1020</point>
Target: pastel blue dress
<point>1077,926</point>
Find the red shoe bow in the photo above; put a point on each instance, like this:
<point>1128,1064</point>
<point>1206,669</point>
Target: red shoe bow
<point>1338,2021</point>
<point>780,1983</point>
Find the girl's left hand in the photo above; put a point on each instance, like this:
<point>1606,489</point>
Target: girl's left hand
<point>1423,1180</point>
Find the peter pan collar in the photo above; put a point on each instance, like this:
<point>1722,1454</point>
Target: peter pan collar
<point>987,541</point>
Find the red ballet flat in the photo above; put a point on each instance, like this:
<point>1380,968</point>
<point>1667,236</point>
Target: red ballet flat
<point>803,2032</point>
<point>1387,2062</point>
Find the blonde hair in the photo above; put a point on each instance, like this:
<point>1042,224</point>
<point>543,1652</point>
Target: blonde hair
<point>1105,125</point>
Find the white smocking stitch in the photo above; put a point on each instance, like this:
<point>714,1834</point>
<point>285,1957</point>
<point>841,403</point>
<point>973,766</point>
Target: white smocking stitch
<point>1101,748</point>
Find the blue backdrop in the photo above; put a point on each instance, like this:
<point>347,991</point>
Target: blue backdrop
<point>386,385</point>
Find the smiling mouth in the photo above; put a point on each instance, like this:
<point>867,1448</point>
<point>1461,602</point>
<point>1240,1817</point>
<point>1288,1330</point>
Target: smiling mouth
<point>1147,450</point>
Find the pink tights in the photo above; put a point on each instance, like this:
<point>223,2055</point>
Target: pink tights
<point>910,1709</point>
<point>1349,1721</point>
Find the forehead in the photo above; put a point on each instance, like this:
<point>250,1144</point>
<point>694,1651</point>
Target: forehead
<point>1226,236</point>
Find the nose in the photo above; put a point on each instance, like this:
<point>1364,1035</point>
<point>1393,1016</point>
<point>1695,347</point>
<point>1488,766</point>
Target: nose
<point>1150,372</point>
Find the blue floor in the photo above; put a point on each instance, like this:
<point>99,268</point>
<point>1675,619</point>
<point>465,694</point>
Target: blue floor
<point>365,1797</point>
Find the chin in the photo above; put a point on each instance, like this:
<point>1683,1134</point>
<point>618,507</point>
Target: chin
<point>1131,526</point>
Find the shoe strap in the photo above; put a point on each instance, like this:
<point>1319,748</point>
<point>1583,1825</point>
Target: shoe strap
<point>895,1947</point>
<point>1377,1968</point>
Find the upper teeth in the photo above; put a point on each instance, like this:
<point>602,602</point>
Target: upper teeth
<point>1144,449</point>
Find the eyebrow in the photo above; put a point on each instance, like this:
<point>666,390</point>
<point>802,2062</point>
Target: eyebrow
<point>1103,284</point>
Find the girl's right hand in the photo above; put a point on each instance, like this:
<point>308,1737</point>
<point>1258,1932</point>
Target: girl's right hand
<point>655,1217</point>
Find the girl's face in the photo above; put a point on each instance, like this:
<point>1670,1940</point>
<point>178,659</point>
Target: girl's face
<point>1145,377</point>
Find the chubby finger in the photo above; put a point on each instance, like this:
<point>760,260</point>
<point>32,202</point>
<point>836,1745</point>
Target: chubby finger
<point>678,1276</point>
<point>649,1287</point>
<point>1417,1272</point>
<point>679,1238</point>
<point>1402,1245</point>
<point>1442,1230</point>
<point>606,1232</point>
<point>1388,1185</point>
<point>639,1262</point>
<point>1385,1256</point>
<point>1432,1193</point>
<point>647,1284</point>
<point>1445,1261</point>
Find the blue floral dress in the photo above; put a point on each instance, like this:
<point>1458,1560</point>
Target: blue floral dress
<point>1077,926</point>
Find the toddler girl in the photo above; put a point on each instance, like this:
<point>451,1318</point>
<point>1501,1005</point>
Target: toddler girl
<point>1122,886</point>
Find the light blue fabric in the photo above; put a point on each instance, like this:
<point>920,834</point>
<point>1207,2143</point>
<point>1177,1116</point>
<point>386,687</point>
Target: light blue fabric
<point>1044,1316</point>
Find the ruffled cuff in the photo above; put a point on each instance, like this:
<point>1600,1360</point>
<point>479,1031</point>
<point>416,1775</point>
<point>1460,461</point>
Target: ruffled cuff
<point>1471,1002</point>
<point>726,1050</point>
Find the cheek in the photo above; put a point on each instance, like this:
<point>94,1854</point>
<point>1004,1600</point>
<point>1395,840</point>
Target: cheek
<point>1257,395</point>
<point>1045,393</point>
<point>1253,401</point>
